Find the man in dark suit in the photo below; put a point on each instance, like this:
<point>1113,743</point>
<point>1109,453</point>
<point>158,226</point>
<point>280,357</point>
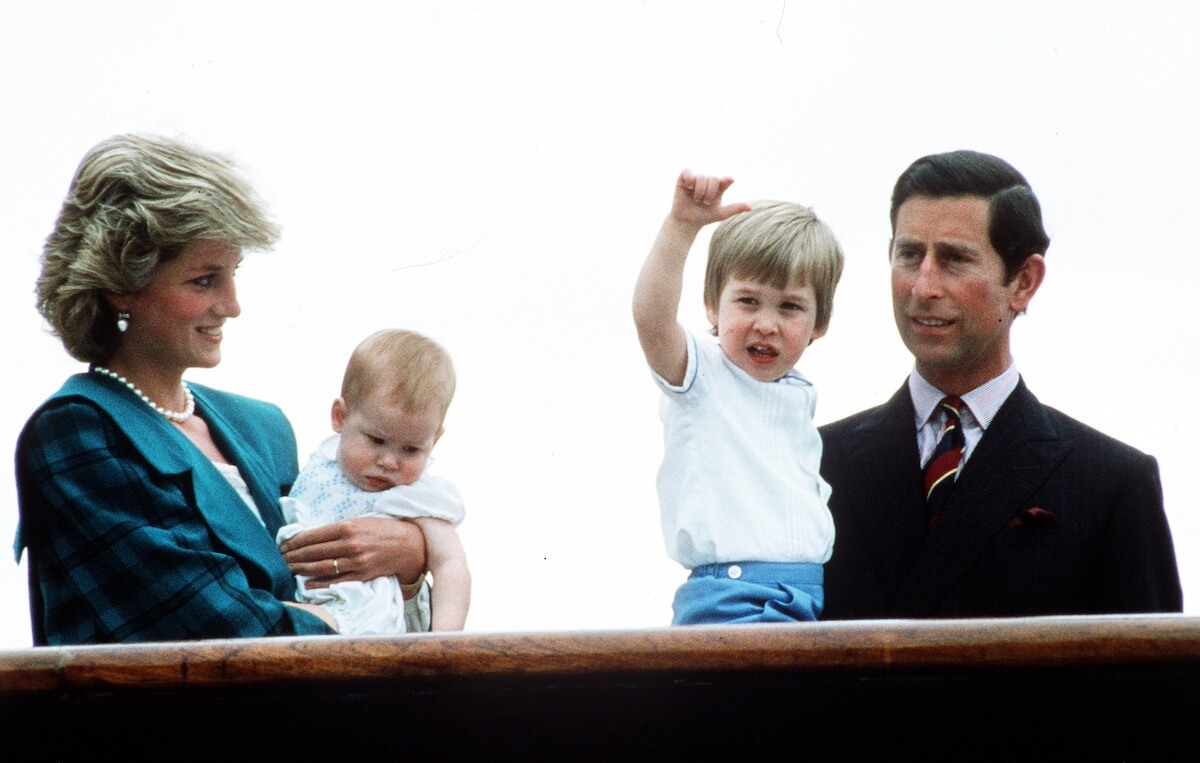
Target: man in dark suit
<point>1042,515</point>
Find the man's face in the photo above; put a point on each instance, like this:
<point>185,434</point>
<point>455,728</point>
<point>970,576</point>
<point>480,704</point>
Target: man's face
<point>952,306</point>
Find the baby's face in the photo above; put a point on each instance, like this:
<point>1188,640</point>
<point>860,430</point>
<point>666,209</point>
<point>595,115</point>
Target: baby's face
<point>383,444</point>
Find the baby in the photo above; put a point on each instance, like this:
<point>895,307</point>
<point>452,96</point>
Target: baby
<point>395,393</point>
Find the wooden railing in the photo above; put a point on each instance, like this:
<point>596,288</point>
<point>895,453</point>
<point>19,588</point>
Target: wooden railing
<point>1115,688</point>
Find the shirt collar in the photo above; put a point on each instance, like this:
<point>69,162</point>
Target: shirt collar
<point>329,447</point>
<point>983,402</point>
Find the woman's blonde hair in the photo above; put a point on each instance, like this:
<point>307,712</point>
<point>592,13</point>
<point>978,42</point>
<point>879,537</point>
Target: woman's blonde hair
<point>136,201</point>
<point>779,243</point>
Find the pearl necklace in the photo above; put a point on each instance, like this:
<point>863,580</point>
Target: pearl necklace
<point>177,416</point>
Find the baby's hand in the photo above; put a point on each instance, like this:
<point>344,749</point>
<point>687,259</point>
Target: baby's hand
<point>698,200</point>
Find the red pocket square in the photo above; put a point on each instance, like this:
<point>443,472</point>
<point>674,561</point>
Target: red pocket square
<point>1034,518</point>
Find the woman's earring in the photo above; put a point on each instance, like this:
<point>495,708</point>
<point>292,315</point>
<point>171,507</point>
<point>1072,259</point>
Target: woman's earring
<point>122,321</point>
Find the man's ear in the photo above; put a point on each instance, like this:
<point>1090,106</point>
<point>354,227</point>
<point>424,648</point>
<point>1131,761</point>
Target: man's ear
<point>1026,282</point>
<point>337,416</point>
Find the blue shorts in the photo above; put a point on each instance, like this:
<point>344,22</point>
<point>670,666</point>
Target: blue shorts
<point>751,592</point>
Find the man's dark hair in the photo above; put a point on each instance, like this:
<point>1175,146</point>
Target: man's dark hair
<point>1014,215</point>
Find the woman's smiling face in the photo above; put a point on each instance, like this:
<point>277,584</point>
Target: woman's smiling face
<point>176,321</point>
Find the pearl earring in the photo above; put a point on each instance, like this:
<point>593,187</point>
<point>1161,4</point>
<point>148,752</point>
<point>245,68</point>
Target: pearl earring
<point>122,321</point>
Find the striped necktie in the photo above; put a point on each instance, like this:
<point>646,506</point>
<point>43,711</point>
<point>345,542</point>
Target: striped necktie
<point>943,464</point>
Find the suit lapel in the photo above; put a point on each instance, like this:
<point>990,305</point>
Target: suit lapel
<point>888,509</point>
<point>1018,451</point>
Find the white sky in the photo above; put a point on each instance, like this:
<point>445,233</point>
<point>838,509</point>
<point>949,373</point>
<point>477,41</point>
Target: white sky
<point>492,173</point>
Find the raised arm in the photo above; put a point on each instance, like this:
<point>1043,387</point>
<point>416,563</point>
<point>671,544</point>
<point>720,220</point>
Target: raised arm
<point>697,203</point>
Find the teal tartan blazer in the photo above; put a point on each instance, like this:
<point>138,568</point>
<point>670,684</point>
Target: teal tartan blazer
<point>133,535</point>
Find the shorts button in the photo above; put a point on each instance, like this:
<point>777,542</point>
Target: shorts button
<point>734,571</point>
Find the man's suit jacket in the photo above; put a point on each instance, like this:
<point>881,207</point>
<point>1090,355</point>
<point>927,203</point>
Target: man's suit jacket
<point>133,535</point>
<point>1048,516</point>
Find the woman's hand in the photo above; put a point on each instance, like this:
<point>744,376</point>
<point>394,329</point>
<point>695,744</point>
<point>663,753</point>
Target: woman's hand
<point>357,549</point>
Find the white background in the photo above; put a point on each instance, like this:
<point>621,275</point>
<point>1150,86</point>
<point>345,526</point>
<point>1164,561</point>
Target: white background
<point>492,173</point>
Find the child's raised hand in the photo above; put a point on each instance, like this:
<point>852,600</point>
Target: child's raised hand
<point>698,199</point>
<point>656,295</point>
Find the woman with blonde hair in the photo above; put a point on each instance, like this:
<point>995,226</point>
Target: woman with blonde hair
<point>149,504</point>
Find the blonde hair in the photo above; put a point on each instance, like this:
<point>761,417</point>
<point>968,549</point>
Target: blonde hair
<point>410,369</point>
<point>779,243</point>
<point>136,201</point>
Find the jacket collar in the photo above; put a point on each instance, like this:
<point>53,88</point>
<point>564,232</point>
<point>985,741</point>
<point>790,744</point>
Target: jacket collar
<point>167,450</point>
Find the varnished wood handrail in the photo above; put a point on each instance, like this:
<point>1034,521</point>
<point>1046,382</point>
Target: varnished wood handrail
<point>851,646</point>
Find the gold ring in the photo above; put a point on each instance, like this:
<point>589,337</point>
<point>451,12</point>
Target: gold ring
<point>336,570</point>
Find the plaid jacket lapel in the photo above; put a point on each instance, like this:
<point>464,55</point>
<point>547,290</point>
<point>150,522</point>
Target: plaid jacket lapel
<point>169,452</point>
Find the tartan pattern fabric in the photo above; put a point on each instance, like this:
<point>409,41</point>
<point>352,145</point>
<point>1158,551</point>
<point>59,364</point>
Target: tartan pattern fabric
<point>942,468</point>
<point>120,550</point>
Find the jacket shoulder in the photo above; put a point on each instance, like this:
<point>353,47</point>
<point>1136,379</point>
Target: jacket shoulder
<point>899,406</point>
<point>250,416</point>
<point>852,422</point>
<point>261,425</point>
<point>1091,441</point>
<point>234,404</point>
